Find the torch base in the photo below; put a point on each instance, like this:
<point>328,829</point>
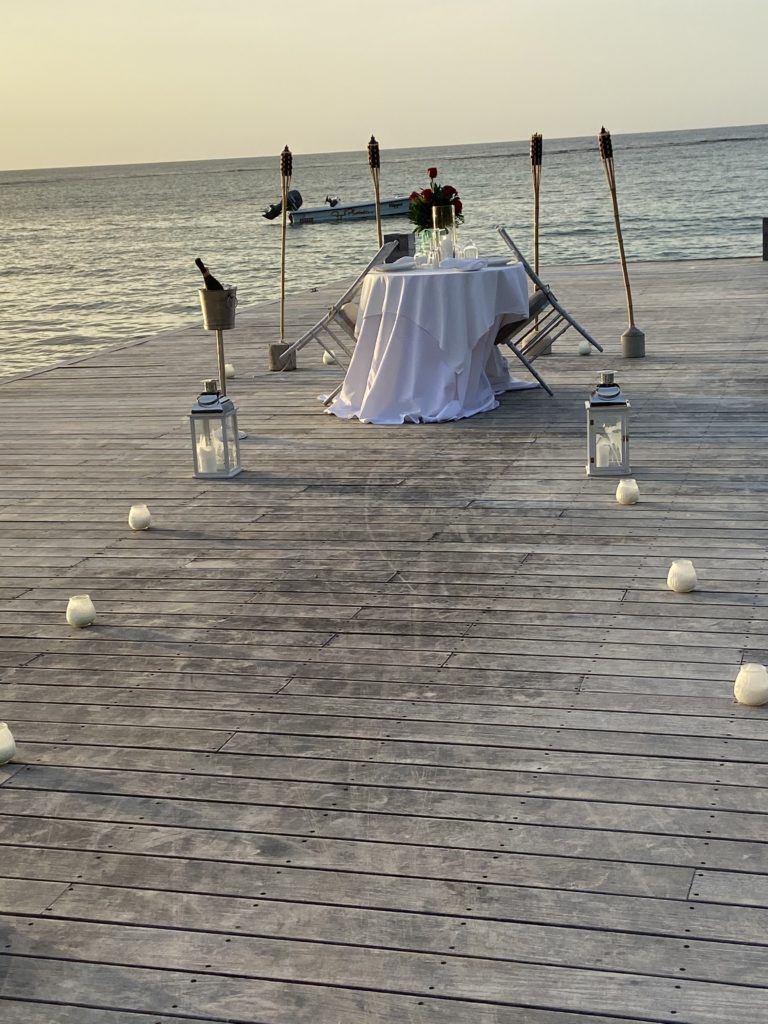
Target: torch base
<point>276,360</point>
<point>633,343</point>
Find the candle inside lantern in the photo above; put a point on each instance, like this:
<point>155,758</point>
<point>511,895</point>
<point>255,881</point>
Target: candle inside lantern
<point>603,452</point>
<point>139,517</point>
<point>7,743</point>
<point>80,610</point>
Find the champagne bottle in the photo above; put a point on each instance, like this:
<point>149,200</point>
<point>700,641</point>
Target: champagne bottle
<point>210,281</point>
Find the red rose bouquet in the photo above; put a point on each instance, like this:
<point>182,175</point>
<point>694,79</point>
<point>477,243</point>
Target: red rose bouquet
<point>420,208</point>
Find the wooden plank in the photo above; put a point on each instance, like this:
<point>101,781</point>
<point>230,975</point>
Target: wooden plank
<point>389,858</point>
<point>17,1011</point>
<point>619,833</point>
<point>613,950</point>
<point>474,724</point>
<point>28,896</point>
<point>737,890</point>
<point>162,996</point>
<point>490,804</point>
<point>563,772</point>
<point>506,982</point>
<point>464,899</point>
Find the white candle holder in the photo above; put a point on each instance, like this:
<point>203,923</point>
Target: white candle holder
<point>80,611</point>
<point>751,686</point>
<point>627,492</point>
<point>682,576</point>
<point>139,517</point>
<point>7,743</point>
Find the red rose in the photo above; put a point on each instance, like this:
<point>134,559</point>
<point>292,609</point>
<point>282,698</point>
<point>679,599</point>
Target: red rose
<point>414,195</point>
<point>457,205</point>
<point>449,191</point>
<point>432,172</point>
<point>426,195</point>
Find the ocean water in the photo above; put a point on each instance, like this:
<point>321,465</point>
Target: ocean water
<point>96,255</point>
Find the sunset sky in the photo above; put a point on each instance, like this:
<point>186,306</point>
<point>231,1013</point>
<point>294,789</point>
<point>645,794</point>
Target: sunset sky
<point>101,82</point>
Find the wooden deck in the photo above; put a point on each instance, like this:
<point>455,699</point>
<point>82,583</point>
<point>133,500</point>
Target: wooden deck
<point>401,725</point>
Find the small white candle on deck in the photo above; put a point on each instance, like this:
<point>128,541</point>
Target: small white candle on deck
<point>80,610</point>
<point>627,492</point>
<point>7,743</point>
<point>682,576</point>
<point>751,686</point>
<point>229,371</point>
<point>585,349</point>
<point>329,358</point>
<point>139,517</point>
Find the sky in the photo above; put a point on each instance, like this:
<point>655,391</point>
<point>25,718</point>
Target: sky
<point>89,82</point>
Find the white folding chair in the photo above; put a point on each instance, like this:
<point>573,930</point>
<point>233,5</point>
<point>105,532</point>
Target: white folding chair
<point>547,320</point>
<point>341,316</point>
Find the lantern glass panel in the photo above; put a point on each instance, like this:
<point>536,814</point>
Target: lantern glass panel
<point>210,455</point>
<point>609,433</point>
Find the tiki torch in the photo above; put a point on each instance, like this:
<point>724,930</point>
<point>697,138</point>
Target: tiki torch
<point>374,162</point>
<point>633,339</point>
<point>286,170</point>
<point>536,153</point>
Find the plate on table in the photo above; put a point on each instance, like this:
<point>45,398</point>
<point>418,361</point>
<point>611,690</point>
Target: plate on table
<point>496,261</point>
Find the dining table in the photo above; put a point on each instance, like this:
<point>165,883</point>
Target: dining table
<point>425,335</point>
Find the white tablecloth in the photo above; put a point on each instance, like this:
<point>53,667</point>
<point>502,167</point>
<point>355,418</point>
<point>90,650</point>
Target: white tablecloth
<point>425,349</point>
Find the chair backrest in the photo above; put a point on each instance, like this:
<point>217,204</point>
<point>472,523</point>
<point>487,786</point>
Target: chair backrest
<point>523,261</point>
<point>356,285</point>
<point>561,311</point>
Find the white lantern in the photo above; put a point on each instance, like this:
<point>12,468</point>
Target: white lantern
<point>751,686</point>
<point>7,743</point>
<point>607,429</point>
<point>682,576</point>
<point>215,436</point>
<point>139,517</point>
<point>80,610</point>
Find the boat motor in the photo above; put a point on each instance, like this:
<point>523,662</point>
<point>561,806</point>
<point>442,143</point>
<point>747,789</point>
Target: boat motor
<point>294,202</point>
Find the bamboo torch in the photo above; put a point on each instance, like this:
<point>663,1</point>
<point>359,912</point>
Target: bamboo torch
<point>374,162</point>
<point>633,339</point>
<point>286,170</point>
<point>536,154</point>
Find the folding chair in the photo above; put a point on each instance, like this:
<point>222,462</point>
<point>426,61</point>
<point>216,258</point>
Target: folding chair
<point>341,315</point>
<point>547,319</point>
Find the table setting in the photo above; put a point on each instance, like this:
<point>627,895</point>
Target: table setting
<point>426,327</point>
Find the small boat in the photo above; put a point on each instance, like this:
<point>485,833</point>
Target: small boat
<point>335,212</point>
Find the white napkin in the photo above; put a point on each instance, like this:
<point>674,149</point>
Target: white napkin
<point>404,263</point>
<point>454,263</point>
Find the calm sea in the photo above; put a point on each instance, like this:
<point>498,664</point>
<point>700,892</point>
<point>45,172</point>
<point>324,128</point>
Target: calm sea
<point>96,255</point>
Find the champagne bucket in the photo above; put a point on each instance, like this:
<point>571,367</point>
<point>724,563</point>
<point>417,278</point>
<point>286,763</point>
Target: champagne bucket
<point>218,308</point>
